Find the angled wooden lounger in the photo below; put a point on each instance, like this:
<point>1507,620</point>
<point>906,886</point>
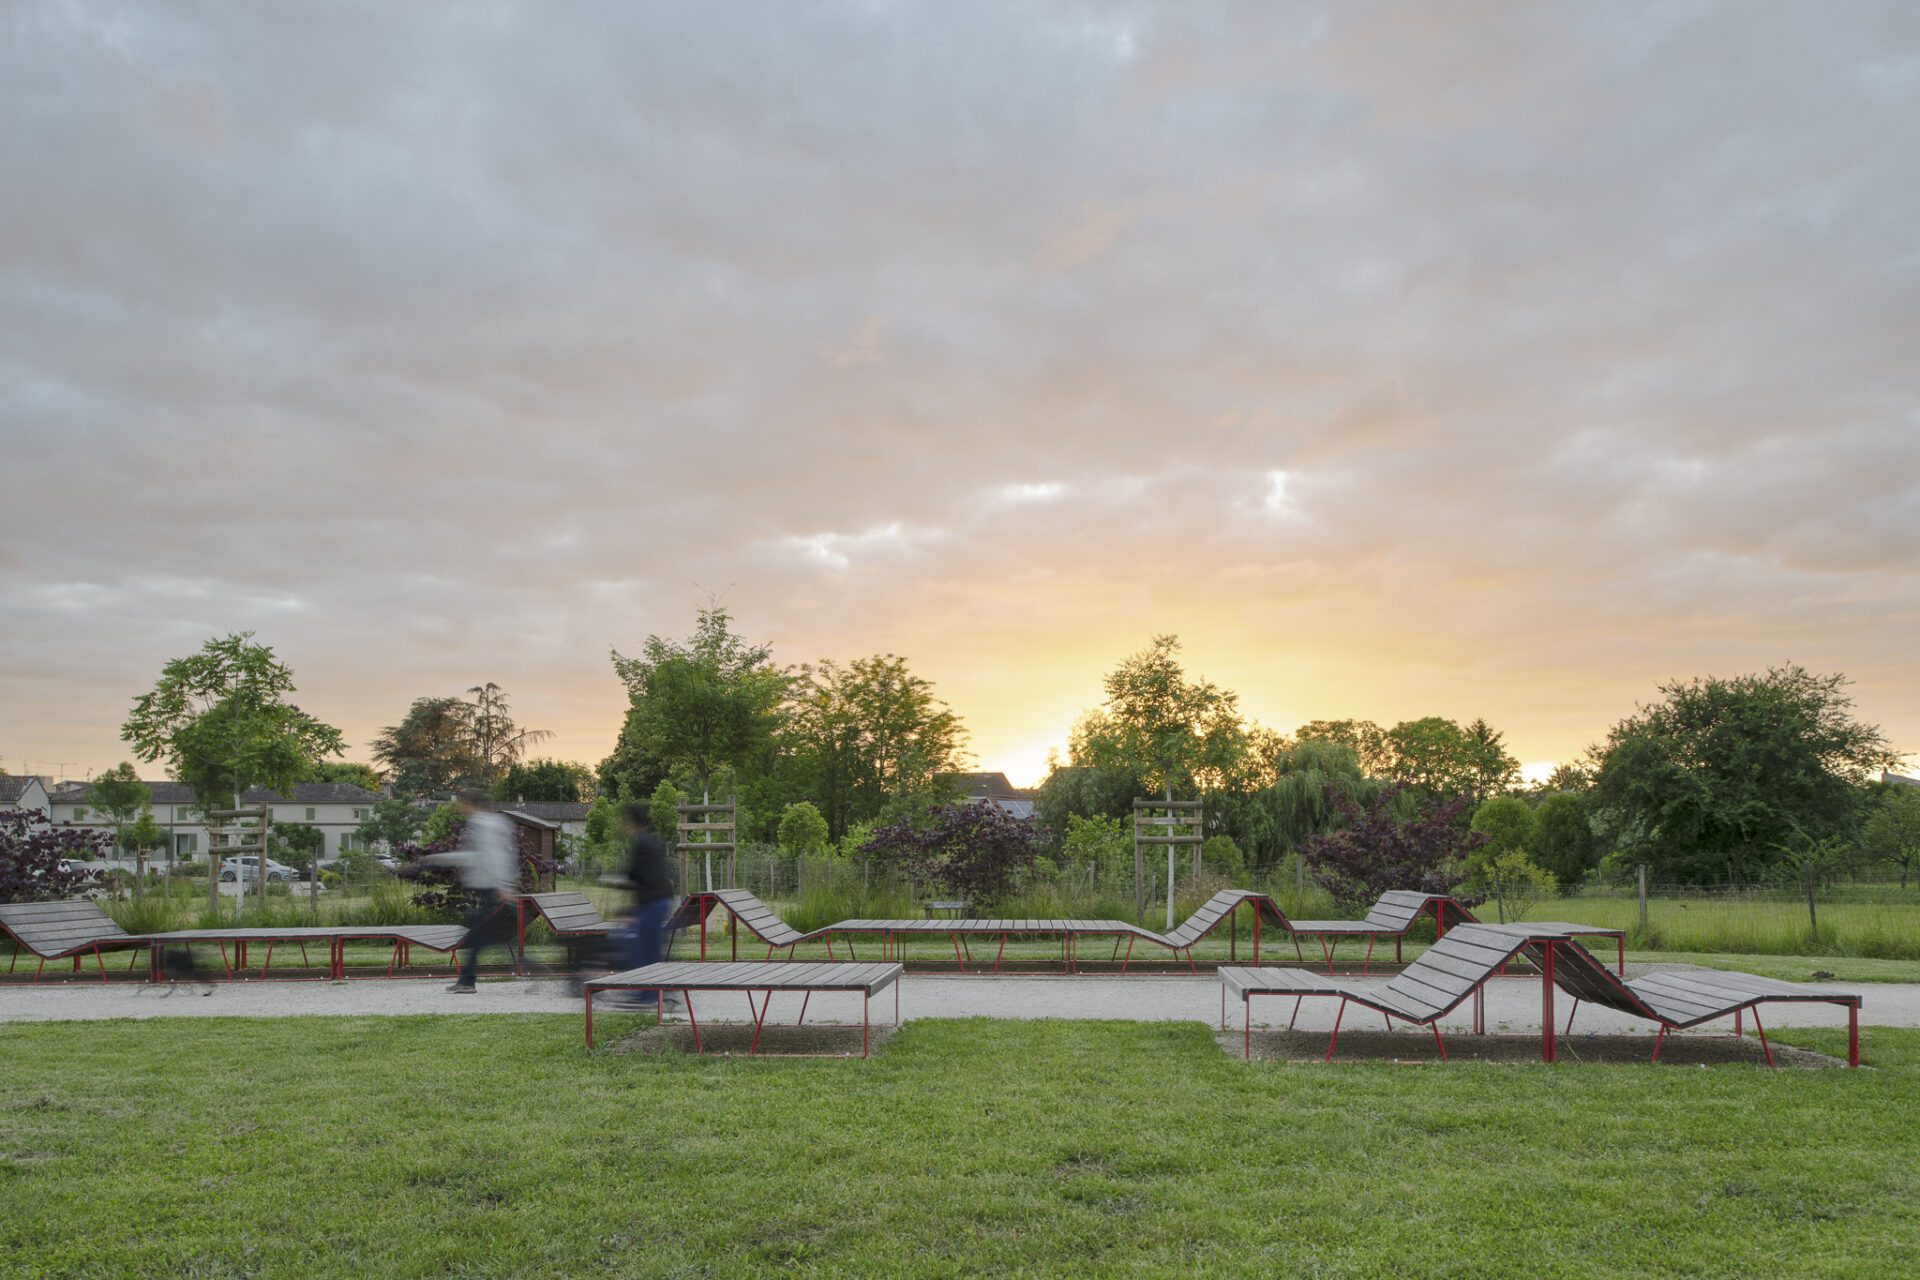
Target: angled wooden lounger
<point>59,930</point>
<point>1461,963</point>
<point>764,923</point>
<point>1390,917</point>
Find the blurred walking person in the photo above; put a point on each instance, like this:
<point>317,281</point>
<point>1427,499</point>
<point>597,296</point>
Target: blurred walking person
<point>489,867</point>
<point>652,886</point>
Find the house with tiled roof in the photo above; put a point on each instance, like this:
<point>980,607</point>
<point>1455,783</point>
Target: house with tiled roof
<point>23,791</point>
<point>336,808</point>
<point>993,787</point>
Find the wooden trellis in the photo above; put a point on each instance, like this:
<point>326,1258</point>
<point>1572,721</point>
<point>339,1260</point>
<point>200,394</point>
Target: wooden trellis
<point>1172,823</point>
<point>712,822</point>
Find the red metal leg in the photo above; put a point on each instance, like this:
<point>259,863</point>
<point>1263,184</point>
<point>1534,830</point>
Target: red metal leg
<point>1435,1025</point>
<point>702,911</point>
<point>519,936</point>
<point>1570,1013</point>
<point>1396,948</point>
<point>1622,940</point>
<point>1246,1034</point>
<point>896,1002</point>
<point>97,959</point>
<point>1326,951</point>
<point>1763,1035</point>
<point>1658,1041</point>
<point>1367,959</point>
<point>269,960</point>
<point>1853,1035</point>
<point>1546,1006</point>
<point>1296,1013</point>
<point>1129,957</point>
<point>1191,966</point>
<point>1738,1030</point>
<point>1334,1038</point>
<point>589,1019</point>
<point>804,997</point>
<point>866,1032</point>
<point>999,953</point>
<point>692,1021</point>
<point>1256,936</point>
<point>758,1021</point>
<point>1233,933</point>
<point>957,959</point>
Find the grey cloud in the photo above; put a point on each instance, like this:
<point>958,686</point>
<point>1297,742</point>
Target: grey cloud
<point>491,335</point>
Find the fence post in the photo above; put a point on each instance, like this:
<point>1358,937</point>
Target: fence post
<point>1299,882</point>
<point>1643,897</point>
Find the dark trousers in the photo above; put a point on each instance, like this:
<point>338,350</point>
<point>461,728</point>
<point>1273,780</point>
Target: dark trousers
<point>487,925</point>
<point>647,928</point>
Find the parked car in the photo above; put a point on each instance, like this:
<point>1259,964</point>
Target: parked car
<point>232,869</point>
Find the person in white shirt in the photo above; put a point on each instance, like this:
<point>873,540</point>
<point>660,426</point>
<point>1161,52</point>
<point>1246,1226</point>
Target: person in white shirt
<point>488,863</point>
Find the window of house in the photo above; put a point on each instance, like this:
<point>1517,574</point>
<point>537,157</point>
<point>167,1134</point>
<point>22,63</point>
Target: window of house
<point>347,842</point>
<point>360,815</point>
<point>80,814</point>
<point>309,813</point>
<point>185,846</point>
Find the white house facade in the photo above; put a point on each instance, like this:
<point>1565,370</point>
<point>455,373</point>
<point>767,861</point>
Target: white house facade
<point>336,808</point>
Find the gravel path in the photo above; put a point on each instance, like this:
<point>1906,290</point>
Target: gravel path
<point>1513,1004</point>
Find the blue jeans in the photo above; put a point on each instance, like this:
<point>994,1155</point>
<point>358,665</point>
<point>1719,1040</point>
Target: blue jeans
<point>488,924</point>
<point>647,927</point>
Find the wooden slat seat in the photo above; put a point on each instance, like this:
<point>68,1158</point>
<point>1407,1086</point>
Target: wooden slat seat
<point>1466,957</point>
<point>569,914</point>
<point>762,978</point>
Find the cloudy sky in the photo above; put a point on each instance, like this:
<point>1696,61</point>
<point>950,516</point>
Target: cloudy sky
<point>1480,359</point>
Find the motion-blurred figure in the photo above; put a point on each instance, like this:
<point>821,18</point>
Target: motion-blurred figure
<point>489,867</point>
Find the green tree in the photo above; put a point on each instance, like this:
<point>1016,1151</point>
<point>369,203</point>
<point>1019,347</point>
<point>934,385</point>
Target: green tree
<point>1441,759</point>
<point>602,821</point>
<point>495,742</point>
<point>663,809</point>
<point>1310,777</point>
<point>1723,773</point>
<point>545,780</point>
<point>803,832</point>
<point>1564,842</point>
<point>1083,791</point>
<point>430,752</point>
<point>1162,729</point>
<point>358,775</point>
<point>1892,830</point>
<point>1222,856</point>
<point>145,834</point>
<point>710,701</point>
<point>296,844</point>
<point>221,720</point>
<point>1102,844</point>
<point>119,794</point>
<point>1366,740</point>
<point>442,822</point>
<point>391,822</point>
<point>1500,866</point>
<point>867,733</point>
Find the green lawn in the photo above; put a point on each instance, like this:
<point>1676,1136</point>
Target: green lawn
<point>494,1146</point>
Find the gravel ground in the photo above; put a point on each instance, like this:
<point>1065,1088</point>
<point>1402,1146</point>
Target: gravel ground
<point>1513,1004</point>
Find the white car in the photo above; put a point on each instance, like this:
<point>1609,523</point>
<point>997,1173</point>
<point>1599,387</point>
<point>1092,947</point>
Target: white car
<point>234,868</point>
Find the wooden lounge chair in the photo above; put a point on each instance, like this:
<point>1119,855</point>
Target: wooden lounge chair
<point>747,910</point>
<point>1460,964</point>
<point>1390,917</point>
<point>59,930</point>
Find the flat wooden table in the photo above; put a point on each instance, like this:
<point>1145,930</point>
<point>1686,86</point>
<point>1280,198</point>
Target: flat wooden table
<point>754,978</point>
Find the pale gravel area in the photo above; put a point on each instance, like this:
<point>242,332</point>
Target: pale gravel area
<point>1513,1004</point>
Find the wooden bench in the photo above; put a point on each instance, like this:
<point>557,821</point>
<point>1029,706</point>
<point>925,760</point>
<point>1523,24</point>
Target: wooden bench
<point>1461,963</point>
<point>58,930</point>
<point>754,977</point>
<point>443,938</point>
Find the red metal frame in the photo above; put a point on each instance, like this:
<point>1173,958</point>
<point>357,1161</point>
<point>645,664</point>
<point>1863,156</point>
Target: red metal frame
<point>758,1018</point>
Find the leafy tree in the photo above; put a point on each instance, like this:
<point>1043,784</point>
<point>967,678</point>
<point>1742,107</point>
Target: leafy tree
<point>444,823</point>
<point>1564,842</point>
<point>1501,862</point>
<point>430,752</point>
<point>1377,850</point>
<point>1439,758</point>
<point>545,780</point>
<point>707,702</point>
<point>1223,857</point>
<point>663,808</point>
<point>1296,805</point>
<point>31,852</point>
<point>1892,831</point>
<point>119,794</point>
<point>602,824</point>
<point>977,850</point>
<point>803,832</point>
<point>495,742</point>
<point>1809,863</point>
<point>1514,883</point>
<point>357,775</point>
<point>1083,791</point>
<point>1162,729</point>
<point>392,822</point>
<point>221,720</point>
<point>868,732</point>
<point>146,834</point>
<point>1101,843</point>
<point>1366,740</point>
<point>1725,773</point>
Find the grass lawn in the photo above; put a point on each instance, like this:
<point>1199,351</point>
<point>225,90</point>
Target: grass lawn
<point>494,1146</point>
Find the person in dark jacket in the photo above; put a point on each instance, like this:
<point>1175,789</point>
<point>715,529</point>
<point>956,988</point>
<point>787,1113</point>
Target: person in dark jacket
<point>652,887</point>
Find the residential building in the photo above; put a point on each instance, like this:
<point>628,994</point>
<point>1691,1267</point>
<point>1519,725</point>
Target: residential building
<point>24,791</point>
<point>1017,801</point>
<point>569,816</point>
<point>336,808</point>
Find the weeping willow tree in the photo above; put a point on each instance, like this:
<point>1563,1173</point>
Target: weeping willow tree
<point>1275,820</point>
